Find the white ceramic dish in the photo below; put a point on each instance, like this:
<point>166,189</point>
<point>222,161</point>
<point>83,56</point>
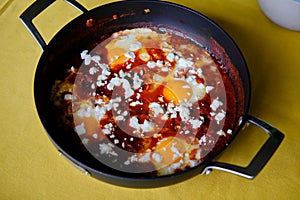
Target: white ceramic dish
<point>285,13</point>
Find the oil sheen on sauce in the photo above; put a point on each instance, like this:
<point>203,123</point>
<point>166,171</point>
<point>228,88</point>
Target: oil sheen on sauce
<point>149,100</point>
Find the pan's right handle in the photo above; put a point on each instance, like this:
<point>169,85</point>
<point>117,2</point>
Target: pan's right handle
<point>259,160</point>
<point>35,9</point>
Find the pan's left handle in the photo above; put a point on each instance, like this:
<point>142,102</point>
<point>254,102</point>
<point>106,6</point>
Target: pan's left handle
<point>35,9</point>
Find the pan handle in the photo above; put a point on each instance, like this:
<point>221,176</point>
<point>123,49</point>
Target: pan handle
<point>34,10</point>
<point>259,160</point>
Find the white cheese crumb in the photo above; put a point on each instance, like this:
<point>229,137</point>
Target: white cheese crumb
<point>157,157</point>
<point>107,149</point>
<point>147,126</point>
<point>96,58</point>
<point>134,122</point>
<point>135,46</point>
<point>159,63</point>
<point>229,131</point>
<point>135,103</point>
<point>137,82</point>
<point>116,141</point>
<point>80,129</point>
<point>129,54</point>
<point>120,118</point>
<point>156,108</point>
<point>85,141</point>
<point>93,70</point>
<point>128,66</point>
<point>209,88</point>
<point>165,69</point>
<point>151,64</point>
<point>184,112</point>
<point>196,123</point>
<point>220,116</point>
<point>183,63</point>
<point>68,97</point>
<point>127,162</point>
<point>202,140</point>
<point>106,131</point>
<point>171,57</point>
<point>145,158</point>
<point>215,104</point>
<point>221,132</point>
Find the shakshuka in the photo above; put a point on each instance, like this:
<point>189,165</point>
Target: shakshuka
<point>150,100</point>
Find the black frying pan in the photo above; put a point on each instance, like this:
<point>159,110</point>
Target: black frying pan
<point>106,19</point>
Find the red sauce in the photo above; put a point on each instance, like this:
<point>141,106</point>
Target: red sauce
<point>212,134</point>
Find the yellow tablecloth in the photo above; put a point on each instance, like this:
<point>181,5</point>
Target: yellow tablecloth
<point>30,167</point>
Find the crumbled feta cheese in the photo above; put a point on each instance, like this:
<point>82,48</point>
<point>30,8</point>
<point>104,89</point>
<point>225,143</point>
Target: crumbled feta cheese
<point>165,69</point>
<point>107,149</point>
<point>134,122</point>
<point>183,63</point>
<point>196,123</point>
<point>85,111</point>
<point>171,57</point>
<point>93,70</point>
<point>220,116</point>
<point>209,88</point>
<point>128,91</point>
<point>137,82</point>
<point>68,97</point>
<point>135,103</point>
<point>127,162</point>
<point>96,58</point>
<point>135,46</point>
<point>95,135</point>
<point>80,129</point>
<point>147,126</point>
<point>83,54</point>
<point>215,104</point>
<point>145,158</point>
<point>129,54</point>
<point>199,72</point>
<point>184,112</point>
<point>120,118</point>
<point>159,63</point>
<point>106,131</point>
<point>85,141</point>
<point>116,81</point>
<point>128,66</point>
<point>221,132</point>
<point>156,108</point>
<point>202,140</point>
<point>151,64</point>
<point>116,141</point>
<point>157,157</point>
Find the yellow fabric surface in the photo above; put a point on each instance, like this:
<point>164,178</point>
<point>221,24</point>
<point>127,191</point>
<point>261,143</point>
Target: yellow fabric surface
<point>30,167</point>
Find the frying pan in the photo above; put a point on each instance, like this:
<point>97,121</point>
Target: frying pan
<point>106,20</point>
